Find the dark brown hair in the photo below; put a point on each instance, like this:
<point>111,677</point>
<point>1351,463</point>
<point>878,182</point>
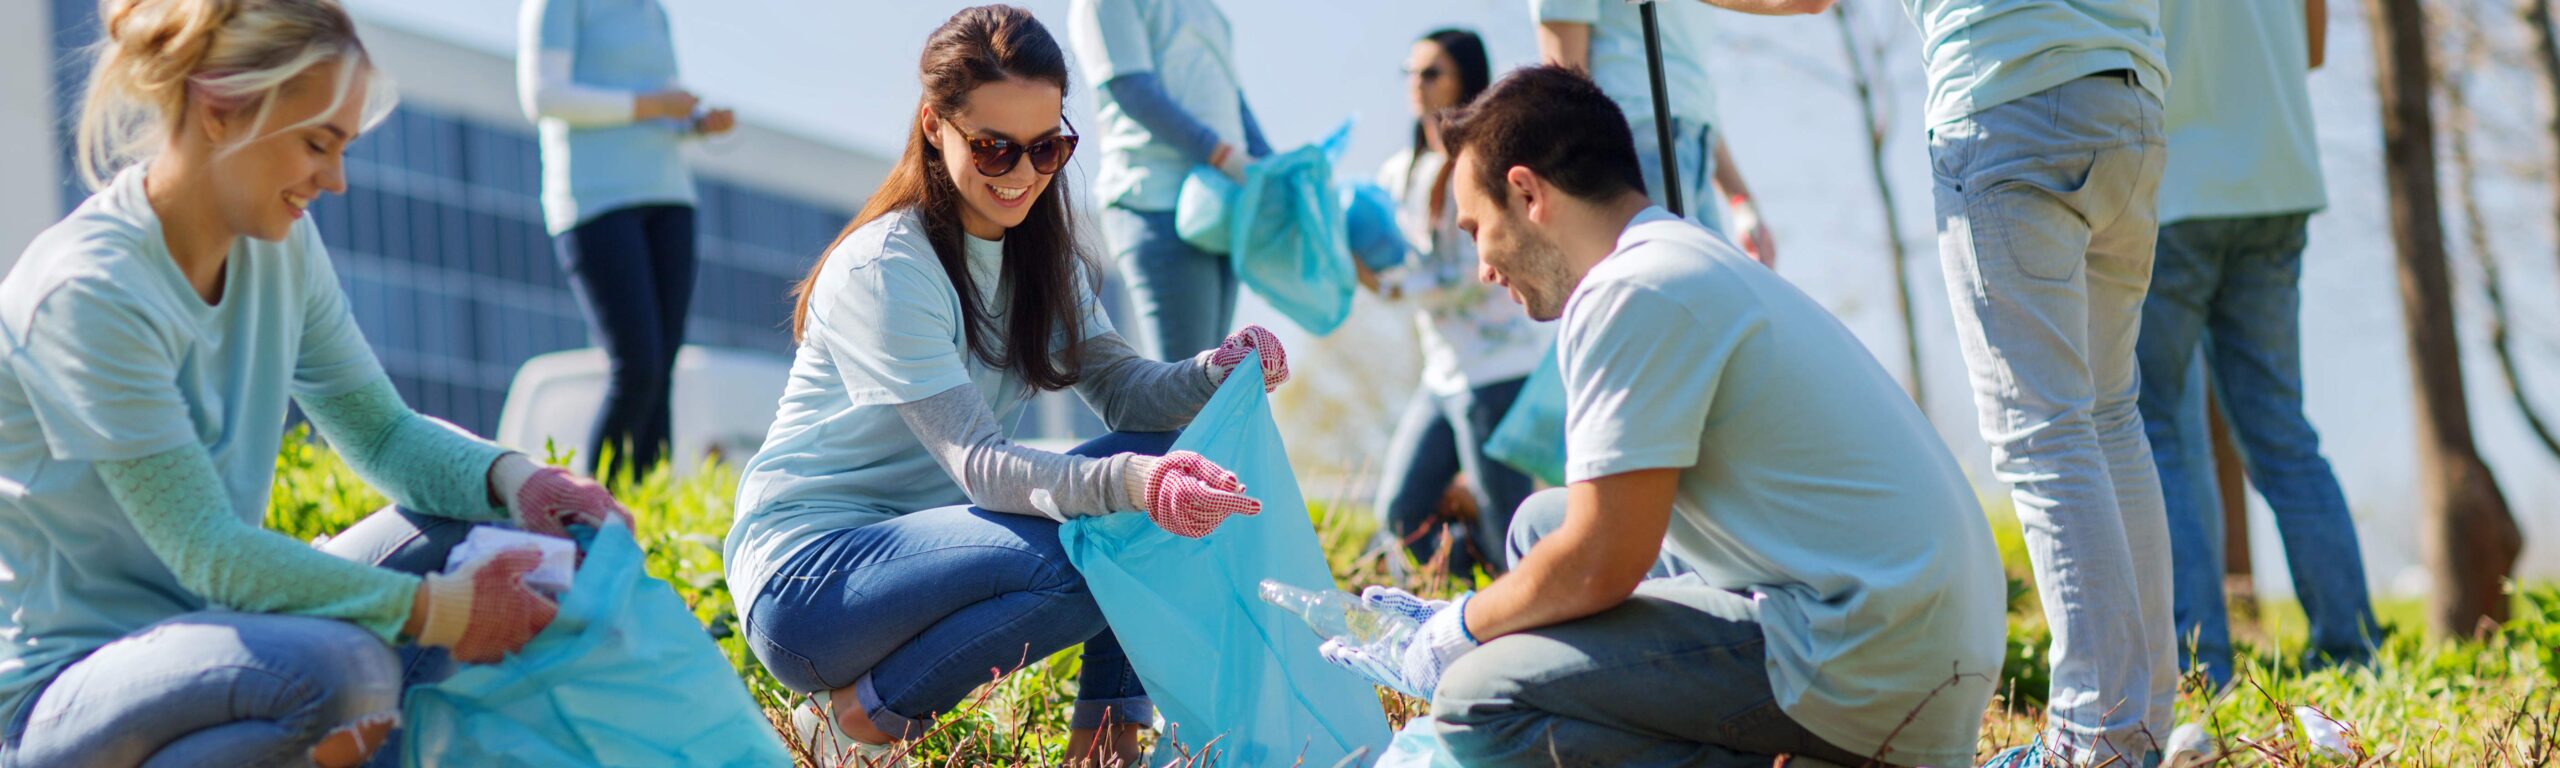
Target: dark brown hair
<point>1553,121</point>
<point>1049,272</point>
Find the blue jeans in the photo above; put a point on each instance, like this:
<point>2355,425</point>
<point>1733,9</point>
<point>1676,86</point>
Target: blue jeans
<point>2048,209</point>
<point>1184,298</point>
<point>226,688</point>
<point>1696,145</point>
<point>1676,675</point>
<point>632,269</point>
<point>2233,287</point>
<point>1438,438</point>
<point>916,612</point>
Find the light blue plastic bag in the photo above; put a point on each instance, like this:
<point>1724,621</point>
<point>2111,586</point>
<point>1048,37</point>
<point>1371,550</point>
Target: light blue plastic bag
<point>623,676</point>
<point>1530,437</point>
<point>1201,214</point>
<point>1417,745</point>
<point>1285,235</point>
<point>1221,664</point>
<point>1369,226</point>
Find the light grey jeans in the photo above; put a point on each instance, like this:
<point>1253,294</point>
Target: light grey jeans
<point>2047,212</point>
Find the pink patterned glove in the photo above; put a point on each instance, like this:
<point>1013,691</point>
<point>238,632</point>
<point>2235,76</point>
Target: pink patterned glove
<point>483,610</point>
<point>1186,494</point>
<point>549,500</point>
<point>1230,353</point>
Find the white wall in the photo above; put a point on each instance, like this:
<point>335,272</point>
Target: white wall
<point>30,198</point>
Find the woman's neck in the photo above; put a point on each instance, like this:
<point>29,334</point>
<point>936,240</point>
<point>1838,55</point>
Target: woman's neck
<point>190,222</point>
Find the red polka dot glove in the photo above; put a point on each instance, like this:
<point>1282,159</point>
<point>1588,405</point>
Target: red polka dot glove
<point>547,500</point>
<point>1231,353</point>
<point>1186,494</point>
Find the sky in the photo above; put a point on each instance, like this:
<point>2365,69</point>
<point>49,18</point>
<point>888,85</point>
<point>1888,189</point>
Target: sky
<point>843,72</point>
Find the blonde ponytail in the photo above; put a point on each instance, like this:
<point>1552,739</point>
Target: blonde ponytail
<point>158,57</point>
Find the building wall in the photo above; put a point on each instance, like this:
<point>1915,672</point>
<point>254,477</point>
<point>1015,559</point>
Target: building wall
<point>28,195</point>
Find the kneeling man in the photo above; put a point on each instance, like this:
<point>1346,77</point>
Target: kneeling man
<point>1764,548</point>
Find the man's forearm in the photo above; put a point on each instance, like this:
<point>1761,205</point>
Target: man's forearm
<point>2315,27</point>
<point>1589,564</point>
<point>1565,44</point>
<point>1773,7</point>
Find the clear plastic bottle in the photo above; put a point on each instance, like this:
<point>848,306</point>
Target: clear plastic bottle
<point>1337,614</point>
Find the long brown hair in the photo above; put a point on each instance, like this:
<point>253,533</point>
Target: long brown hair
<point>1050,273</point>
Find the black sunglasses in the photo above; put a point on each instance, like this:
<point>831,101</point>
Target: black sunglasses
<point>1428,74</point>
<point>997,157</point>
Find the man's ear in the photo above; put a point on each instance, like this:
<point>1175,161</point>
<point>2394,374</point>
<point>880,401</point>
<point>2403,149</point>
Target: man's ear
<point>1529,189</point>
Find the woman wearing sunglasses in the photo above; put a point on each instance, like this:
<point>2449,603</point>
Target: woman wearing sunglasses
<point>1170,101</point>
<point>892,548</point>
<point>1477,346</point>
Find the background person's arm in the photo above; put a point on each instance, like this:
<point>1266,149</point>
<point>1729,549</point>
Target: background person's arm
<point>1749,230</point>
<point>546,37</point>
<point>1612,534</point>
<point>2315,27</point>
<point>1565,44</point>
<point>1773,7</point>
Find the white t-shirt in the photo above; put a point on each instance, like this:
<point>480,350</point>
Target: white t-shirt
<point>1807,479</point>
<point>1472,334</point>
<point>884,329</point>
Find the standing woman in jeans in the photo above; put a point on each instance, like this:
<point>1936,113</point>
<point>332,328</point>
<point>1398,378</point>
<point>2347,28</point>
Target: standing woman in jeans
<point>891,545</point>
<point>1476,345</point>
<point>1170,101</point>
<point>154,340</point>
<point>599,78</point>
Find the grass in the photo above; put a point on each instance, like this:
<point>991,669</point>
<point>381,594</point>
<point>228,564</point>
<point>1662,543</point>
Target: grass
<point>2493,700</point>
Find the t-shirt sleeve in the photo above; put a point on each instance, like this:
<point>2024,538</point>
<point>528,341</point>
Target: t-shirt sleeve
<point>889,327</point>
<point>1110,39</point>
<point>332,357</point>
<point>100,377</point>
<point>1581,11</point>
<point>1640,371</point>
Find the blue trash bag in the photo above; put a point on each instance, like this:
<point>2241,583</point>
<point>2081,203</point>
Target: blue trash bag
<point>1200,215</point>
<point>623,676</point>
<point>1222,665</point>
<point>1369,226</point>
<point>1285,235</point>
<point>1530,437</point>
<point>1417,745</point>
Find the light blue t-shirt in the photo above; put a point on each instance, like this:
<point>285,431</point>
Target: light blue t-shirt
<point>623,45</point>
<point>1807,479</point>
<point>1186,43</point>
<point>1619,61</point>
<point>883,330</point>
<point>1985,53</point>
<point>2241,137</point>
<point>112,356</point>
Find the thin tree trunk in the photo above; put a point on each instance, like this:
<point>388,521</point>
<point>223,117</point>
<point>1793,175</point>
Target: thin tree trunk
<point>1861,79</point>
<point>2546,54</point>
<point>2469,538</point>
<point>2475,225</point>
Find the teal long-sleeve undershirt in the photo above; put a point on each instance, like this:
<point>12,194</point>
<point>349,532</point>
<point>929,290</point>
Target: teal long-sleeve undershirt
<point>178,504</point>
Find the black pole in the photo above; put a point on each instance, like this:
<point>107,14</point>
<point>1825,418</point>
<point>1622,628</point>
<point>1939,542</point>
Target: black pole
<point>1662,112</point>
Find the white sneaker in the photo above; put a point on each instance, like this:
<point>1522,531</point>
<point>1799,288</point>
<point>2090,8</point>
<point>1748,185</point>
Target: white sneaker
<point>833,748</point>
<point>2190,747</point>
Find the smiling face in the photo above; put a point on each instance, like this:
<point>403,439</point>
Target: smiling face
<point>1430,78</point>
<point>1016,110</point>
<point>1512,251</point>
<point>268,180</point>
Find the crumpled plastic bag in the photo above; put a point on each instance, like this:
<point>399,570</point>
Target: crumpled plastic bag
<point>623,676</point>
<point>1530,437</point>
<point>1282,229</point>
<point>1418,746</point>
<point>1232,675</point>
<point>1369,226</point>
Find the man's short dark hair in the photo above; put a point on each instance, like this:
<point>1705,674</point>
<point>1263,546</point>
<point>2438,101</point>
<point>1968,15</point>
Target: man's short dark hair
<point>1555,122</point>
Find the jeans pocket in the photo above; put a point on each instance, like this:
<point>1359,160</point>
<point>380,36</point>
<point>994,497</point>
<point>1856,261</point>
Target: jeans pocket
<point>2026,216</point>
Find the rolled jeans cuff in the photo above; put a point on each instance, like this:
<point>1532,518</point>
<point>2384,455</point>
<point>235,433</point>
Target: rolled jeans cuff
<point>896,725</point>
<point>1094,713</point>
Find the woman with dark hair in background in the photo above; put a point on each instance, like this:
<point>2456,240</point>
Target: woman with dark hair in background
<point>1476,347</point>
<point>598,77</point>
<point>891,545</point>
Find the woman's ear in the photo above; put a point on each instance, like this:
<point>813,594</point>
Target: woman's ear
<point>931,125</point>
